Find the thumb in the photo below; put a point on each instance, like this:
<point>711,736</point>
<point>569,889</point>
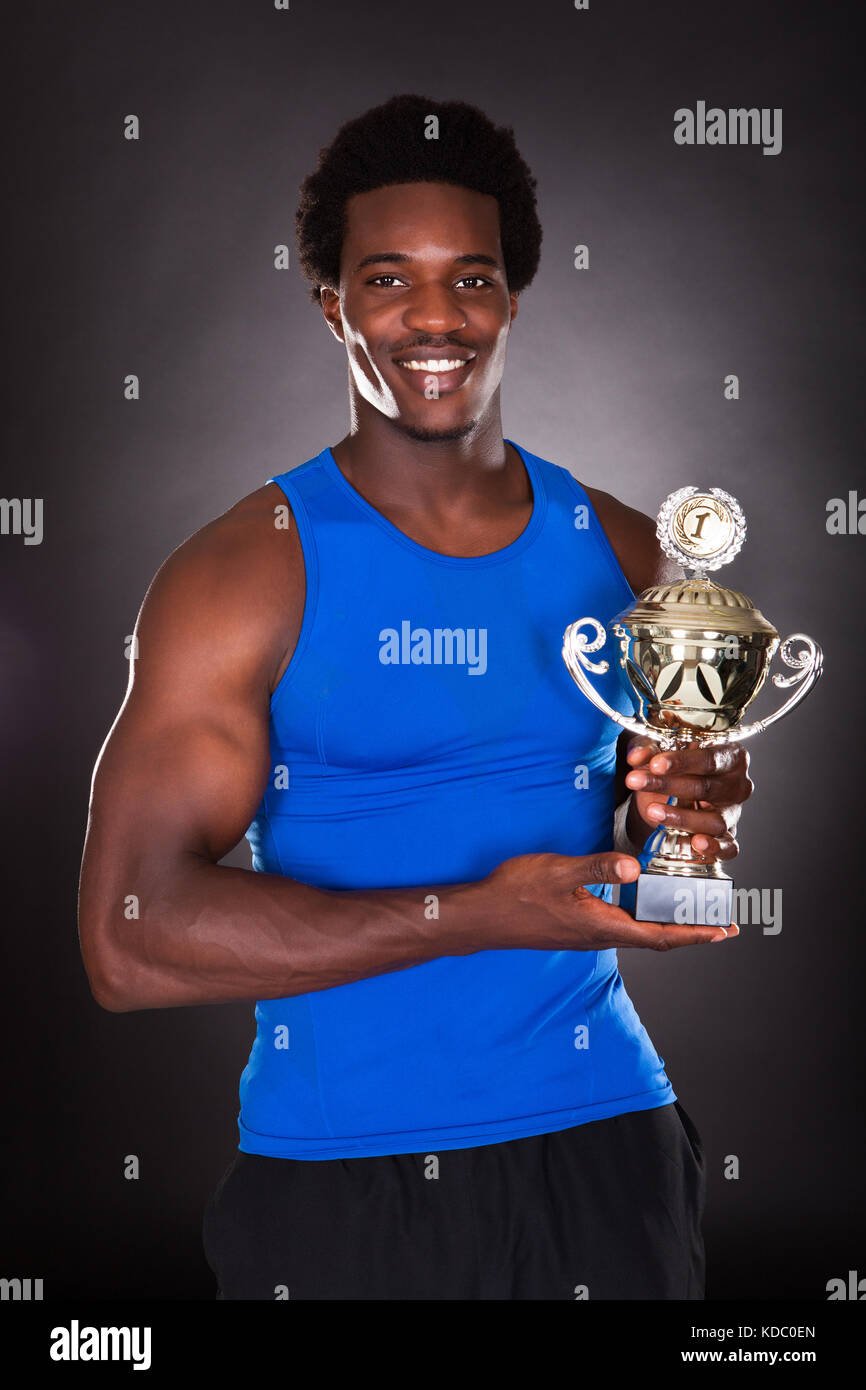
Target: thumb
<point>610,867</point>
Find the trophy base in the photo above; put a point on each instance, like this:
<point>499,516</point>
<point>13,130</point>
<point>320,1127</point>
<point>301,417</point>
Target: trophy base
<point>697,900</point>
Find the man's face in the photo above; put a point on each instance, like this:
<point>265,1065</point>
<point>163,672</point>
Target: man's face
<point>422,281</point>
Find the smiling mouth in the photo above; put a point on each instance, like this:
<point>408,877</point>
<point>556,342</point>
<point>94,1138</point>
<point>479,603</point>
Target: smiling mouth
<point>435,365</point>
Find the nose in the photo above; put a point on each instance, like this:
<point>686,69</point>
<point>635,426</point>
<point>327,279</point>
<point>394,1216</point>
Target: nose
<point>434,309</point>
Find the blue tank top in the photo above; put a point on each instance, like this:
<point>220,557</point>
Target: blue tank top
<point>425,729</point>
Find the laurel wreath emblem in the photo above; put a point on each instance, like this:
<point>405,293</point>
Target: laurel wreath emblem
<point>675,543</point>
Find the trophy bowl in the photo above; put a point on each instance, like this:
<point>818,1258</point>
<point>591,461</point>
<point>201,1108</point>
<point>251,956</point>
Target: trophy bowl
<point>695,656</point>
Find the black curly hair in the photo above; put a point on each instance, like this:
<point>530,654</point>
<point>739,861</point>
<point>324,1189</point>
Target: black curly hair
<point>387,145</point>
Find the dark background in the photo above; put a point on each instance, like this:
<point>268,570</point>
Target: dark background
<point>156,257</point>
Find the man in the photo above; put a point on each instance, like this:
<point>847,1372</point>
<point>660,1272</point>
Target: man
<point>450,1095</point>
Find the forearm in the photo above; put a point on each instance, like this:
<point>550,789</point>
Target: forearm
<point>209,934</point>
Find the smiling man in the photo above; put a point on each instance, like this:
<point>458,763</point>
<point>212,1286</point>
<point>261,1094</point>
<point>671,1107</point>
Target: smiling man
<point>450,1094</point>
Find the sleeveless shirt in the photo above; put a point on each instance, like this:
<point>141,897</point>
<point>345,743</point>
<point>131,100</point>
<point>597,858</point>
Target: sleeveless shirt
<point>425,729</point>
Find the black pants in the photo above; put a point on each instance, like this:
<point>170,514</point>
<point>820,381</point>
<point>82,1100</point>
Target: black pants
<point>609,1209</point>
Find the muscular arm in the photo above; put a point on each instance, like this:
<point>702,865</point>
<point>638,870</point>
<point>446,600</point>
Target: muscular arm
<point>178,781</point>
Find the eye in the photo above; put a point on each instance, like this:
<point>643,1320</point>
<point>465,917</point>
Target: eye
<point>380,279</point>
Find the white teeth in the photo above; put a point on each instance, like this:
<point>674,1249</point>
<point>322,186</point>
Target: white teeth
<point>442,365</point>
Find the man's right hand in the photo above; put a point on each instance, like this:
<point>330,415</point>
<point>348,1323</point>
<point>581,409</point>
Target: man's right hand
<point>543,902</point>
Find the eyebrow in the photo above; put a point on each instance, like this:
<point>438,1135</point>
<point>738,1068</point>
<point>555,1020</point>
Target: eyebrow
<point>476,258</point>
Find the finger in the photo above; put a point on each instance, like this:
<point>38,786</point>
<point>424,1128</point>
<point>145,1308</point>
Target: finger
<point>712,760</point>
<point>708,848</point>
<point>716,789</point>
<point>658,936</point>
<point>720,791</point>
<point>611,926</point>
<point>706,822</point>
<point>640,751</point>
<point>729,814</point>
<point>617,928</point>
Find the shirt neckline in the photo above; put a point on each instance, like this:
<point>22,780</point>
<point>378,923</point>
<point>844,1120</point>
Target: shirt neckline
<point>493,557</point>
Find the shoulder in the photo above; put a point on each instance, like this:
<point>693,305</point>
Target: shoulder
<point>233,592</point>
<point>632,535</point>
<point>251,548</point>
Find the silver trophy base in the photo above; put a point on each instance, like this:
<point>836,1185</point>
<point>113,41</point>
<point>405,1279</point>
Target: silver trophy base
<point>676,899</point>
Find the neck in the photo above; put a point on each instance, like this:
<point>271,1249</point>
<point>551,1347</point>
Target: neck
<point>444,477</point>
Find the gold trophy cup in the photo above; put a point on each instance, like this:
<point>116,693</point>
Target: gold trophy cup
<point>693,655</point>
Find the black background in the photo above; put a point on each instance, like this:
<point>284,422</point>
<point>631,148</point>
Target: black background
<point>156,257</point>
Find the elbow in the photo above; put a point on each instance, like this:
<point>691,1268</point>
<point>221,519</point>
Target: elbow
<point>105,950</point>
<point>118,985</point>
<point>105,978</point>
<point>110,1001</point>
<point>105,992</point>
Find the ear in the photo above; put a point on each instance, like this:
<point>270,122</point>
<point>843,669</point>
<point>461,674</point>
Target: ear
<point>330,301</point>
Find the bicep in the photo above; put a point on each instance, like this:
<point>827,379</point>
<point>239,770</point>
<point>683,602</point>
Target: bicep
<point>185,764</point>
<point>187,781</point>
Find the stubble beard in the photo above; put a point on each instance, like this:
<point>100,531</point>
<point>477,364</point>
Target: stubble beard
<point>425,435</point>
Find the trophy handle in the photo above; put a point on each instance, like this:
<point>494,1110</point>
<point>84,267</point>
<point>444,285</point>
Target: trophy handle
<point>808,666</point>
<point>575,646</point>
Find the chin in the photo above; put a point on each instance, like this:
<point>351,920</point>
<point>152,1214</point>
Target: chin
<point>426,435</point>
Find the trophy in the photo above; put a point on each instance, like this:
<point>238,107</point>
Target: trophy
<point>693,656</point>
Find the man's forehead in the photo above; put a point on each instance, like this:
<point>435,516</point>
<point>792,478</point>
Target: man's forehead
<point>424,216</point>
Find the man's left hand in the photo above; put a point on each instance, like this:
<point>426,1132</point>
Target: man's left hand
<point>717,779</point>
